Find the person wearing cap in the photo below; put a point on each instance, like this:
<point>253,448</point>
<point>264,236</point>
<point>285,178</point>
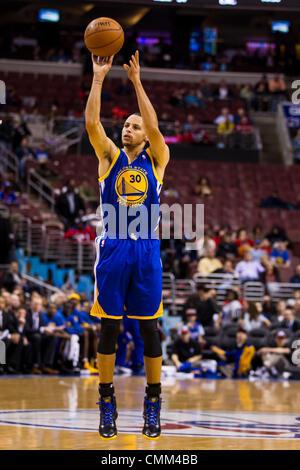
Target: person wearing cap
<point>195,328</point>
<point>278,355</point>
<point>186,351</point>
<point>236,363</point>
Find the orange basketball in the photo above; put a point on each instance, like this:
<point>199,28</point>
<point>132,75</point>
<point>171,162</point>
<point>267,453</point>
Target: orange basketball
<point>104,37</point>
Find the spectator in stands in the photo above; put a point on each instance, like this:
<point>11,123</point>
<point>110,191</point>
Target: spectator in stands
<point>223,92</point>
<point>223,65</point>
<point>232,310</point>
<point>7,195</point>
<point>22,353</point>
<point>61,56</point>
<point>177,98</point>
<point>205,90</point>
<point>236,363</point>
<point>205,244</point>
<point>277,89</point>
<point>295,279</point>
<point>280,310</point>
<point>21,130</point>
<point>290,322</point>
<point>24,153</point>
<point>12,277</point>
<point>227,270</point>
<point>203,187</point>
<point>254,317</point>
<point>89,334</point>
<point>244,126</point>
<point>270,274</point>
<point>209,263</point>
<point>42,154</point>
<point>7,131</point>
<point>225,129</point>
<point>186,352</point>
<point>196,329</point>
<point>257,232</point>
<point>205,305</point>
<point>278,353</point>
<point>262,97</point>
<point>291,302</point>
<point>80,232</point>
<point>225,116</point>
<point>276,84</point>
<point>87,192</point>
<point>41,337</point>
<point>208,64</point>
<point>280,256</point>
<point>10,337</point>
<point>256,251</point>
<point>248,270</point>
<point>277,234</point>
<point>10,177</point>
<point>69,205</point>
<point>243,242</point>
<point>240,113</point>
<point>227,249</point>
<point>273,202</point>
<point>190,125</point>
<point>269,307</point>
<point>246,93</point>
<point>265,246</point>
<point>296,146</point>
<point>191,99</point>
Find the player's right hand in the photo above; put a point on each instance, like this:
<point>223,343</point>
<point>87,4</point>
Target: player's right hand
<point>102,65</point>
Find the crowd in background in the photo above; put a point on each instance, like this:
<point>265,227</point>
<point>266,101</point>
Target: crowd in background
<point>230,338</point>
<point>161,53</point>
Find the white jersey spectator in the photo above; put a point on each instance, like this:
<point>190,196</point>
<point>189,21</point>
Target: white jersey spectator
<point>248,270</point>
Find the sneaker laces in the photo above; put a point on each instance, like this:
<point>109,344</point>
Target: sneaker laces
<point>152,411</point>
<point>107,411</point>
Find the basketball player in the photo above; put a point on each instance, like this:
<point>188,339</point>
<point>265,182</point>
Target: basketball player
<point>128,269</point>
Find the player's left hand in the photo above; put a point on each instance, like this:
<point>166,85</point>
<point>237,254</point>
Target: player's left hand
<point>133,70</point>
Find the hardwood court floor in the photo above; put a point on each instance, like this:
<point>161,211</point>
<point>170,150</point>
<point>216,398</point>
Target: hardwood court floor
<point>61,413</point>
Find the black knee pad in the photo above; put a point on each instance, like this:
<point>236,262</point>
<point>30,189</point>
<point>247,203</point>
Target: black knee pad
<point>150,335</point>
<point>108,337</point>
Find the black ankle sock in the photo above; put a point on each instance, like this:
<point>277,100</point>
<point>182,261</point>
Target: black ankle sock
<point>153,390</point>
<point>106,390</point>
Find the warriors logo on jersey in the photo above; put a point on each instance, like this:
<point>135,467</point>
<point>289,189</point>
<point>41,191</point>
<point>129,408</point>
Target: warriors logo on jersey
<point>131,186</point>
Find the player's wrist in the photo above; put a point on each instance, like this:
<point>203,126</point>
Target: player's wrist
<point>98,77</point>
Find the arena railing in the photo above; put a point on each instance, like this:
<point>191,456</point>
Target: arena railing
<point>9,161</point>
<point>41,186</point>
<point>48,288</point>
<point>40,68</point>
<point>284,136</point>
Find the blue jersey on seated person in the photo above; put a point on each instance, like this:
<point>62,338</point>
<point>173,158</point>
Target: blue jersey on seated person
<point>279,257</point>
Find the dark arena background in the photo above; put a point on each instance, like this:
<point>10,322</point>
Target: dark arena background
<point>224,79</point>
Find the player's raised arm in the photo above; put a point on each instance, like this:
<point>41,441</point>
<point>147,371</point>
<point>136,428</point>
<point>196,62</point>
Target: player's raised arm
<point>103,146</point>
<point>158,147</point>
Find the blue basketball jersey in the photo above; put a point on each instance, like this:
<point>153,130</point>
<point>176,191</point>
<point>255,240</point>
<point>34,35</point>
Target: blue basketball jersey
<point>133,189</point>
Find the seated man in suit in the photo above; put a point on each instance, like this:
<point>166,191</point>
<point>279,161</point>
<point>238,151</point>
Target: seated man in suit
<point>41,337</point>
<point>11,339</point>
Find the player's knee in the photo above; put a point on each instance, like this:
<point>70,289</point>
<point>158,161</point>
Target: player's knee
<point>108,337</point>
<point>150,335</point>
